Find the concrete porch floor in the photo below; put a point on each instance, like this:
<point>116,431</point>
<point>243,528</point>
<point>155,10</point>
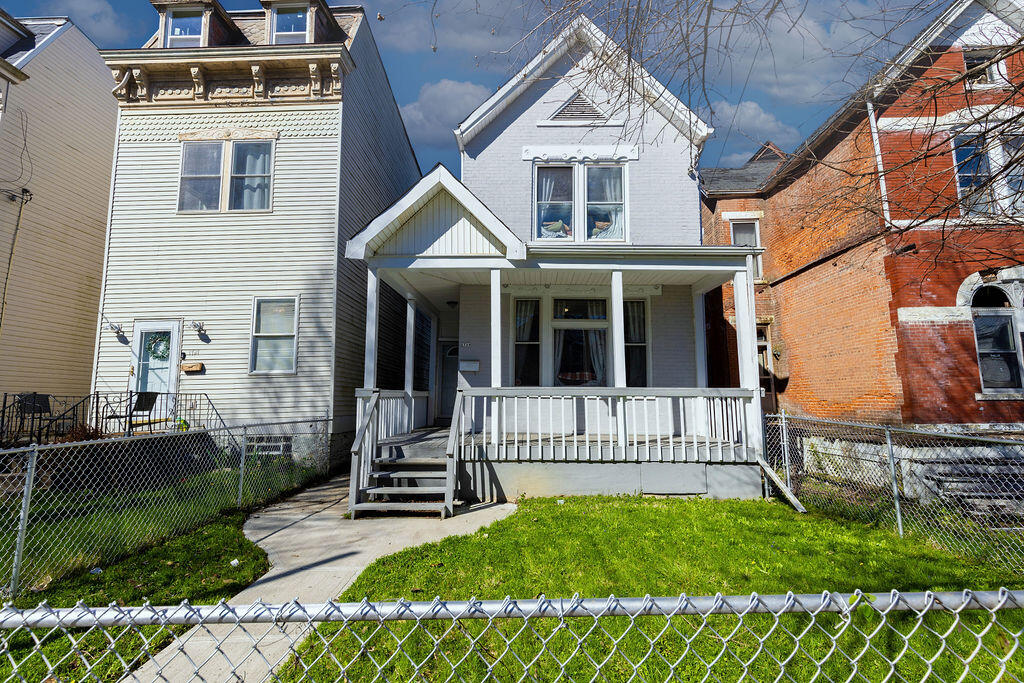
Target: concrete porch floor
<point>315,554</point>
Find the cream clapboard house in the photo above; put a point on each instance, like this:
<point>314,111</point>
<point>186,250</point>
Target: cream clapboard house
<point>566,271</point>
<point>57,119</point>
<point>251,145</point>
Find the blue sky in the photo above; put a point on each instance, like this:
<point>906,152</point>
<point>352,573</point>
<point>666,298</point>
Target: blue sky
<point>440,73</point>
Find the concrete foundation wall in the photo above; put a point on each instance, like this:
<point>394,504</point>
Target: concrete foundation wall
<point>490,481</point>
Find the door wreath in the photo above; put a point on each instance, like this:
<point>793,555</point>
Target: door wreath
<point>159,346</point>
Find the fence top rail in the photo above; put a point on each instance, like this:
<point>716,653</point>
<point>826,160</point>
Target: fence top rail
<point>934,434</point>
<point>82,616</point>
<point>230,429</point>
<point>607,392</point>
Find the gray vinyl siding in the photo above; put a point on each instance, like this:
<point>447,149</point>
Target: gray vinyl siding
<point>663,202</point>
<point>208,267</point>
<point>378,166</point>
<point>391,327</point>
<point>56,140</point>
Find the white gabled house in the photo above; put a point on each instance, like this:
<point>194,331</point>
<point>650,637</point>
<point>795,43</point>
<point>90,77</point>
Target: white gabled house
<point>251,145</point>
<point>565,272</point>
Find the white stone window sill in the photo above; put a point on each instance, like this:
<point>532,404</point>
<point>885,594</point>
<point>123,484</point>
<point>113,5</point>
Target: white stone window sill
<point>1008,396</point>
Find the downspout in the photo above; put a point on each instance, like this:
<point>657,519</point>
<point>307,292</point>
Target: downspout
<point>25,198</point>
<point>873,123</point>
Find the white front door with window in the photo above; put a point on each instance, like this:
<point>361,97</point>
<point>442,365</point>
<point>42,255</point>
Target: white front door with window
<point>156,351</point>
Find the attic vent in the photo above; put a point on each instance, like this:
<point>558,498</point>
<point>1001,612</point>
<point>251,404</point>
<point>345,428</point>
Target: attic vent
<point>578,108</point>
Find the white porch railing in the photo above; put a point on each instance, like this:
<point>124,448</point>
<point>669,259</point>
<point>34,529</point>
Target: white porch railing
<point>397,411</point>
<point>609,425</point>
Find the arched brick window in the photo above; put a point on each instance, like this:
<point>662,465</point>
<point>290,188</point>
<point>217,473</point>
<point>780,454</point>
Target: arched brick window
<point>997,335</point>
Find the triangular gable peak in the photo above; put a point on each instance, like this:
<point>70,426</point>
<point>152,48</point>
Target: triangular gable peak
<point>583,31</point>
<point>438,217</point>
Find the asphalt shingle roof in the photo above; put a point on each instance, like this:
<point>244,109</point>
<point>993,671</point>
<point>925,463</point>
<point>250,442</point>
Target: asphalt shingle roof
<point>747,178</point>
<point>40,28</point>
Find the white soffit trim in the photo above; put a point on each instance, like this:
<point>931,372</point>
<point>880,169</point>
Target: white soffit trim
<point>398,213</point>
<point>933,314</point>
<point>742,215</point>
<point>584,30</point>
<point>581,153</point>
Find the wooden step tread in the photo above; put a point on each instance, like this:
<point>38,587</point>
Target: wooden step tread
<point>406,507</point>
<point>406,490</point>
<point>413,460</point>
<point>409,474</point>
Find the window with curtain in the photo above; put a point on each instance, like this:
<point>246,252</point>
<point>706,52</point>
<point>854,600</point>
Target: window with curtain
<point>250,176</point>
<point>290,25</point>
<point>554,202</point>
<point>580,340</point>
<point>997,341</point>
<point>636,343</point>
<point>744,234</point>
<point>184,28</point>
<point>527,344</point>
<point>605,203</point>
<point>200,176</point>
<point>973,174</point>
<point>274,331</point>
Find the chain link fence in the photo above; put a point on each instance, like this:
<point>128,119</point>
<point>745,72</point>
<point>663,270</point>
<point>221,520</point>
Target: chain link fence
<point>827,636</point>
<point>964,493</point>
<point>71,506</point>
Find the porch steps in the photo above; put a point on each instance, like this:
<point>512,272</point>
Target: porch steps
<point>409,473</point>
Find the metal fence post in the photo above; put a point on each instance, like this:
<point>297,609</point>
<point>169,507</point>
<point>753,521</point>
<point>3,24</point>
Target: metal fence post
<point>241,467</point>
<point>784,433</point>
<point>26,502</point>
<point>895,483</point>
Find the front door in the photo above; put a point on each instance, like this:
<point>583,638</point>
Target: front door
<point>449,379</point>
<point>156,351</point>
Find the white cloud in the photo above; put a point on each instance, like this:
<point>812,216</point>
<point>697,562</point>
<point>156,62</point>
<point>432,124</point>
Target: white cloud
<point>439,108</point>
<point>97,18</point>
<point>735,159</point>
<point>750,121</point>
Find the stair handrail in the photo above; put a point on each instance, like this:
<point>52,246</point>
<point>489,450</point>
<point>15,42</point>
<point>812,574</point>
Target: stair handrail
<point>363,432</point>
<point>451,452</point>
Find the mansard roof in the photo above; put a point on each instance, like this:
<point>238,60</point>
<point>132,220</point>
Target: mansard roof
<point>583,31</point>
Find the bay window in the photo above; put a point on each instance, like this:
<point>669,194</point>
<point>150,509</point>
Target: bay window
<point>580,194</point>
<point>275,327</point>
<point>213,181</point>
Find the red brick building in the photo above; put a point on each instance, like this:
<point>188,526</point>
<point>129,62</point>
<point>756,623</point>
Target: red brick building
<point>891,287</point>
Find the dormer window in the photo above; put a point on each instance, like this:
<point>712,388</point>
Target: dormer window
<point>291,25</point>
<point>184,28</point>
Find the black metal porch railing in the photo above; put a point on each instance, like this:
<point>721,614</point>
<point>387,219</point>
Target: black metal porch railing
<point>31,417</point>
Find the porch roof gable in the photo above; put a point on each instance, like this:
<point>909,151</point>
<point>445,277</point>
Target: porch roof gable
<point>459,224</point>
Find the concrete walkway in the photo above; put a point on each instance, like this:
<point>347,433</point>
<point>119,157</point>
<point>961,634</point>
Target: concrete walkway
<point>315,554</point>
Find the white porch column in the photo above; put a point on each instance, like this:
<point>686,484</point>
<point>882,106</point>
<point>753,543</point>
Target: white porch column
<point>700,339</point>
<point>372,307</point>
<point>618,330</point>
<point>746,347</point>
<point>410,346</point>
<point>495,327</point>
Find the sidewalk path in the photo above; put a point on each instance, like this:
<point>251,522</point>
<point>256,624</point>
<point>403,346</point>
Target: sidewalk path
<point>315,554</point>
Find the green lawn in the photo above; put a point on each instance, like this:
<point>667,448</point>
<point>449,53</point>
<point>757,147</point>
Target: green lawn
<point>637,546</point>
<point>195,566</point>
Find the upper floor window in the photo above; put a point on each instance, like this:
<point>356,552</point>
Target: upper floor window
<point>989,173</point>
<point>290,25</point>
<point>997,336</point>
<point>983,67</point>
<point>206,169</point>
<point>184,28</point>
<point>746,233</point>
<point>601,206</point>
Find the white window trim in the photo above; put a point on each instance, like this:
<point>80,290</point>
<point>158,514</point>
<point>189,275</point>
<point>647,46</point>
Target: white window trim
<point>996,166</point>
<point>178,10</point>
<point>273,22</point>
<point>227,154</point>
<point>548,325</point>
<point>1016,315</point>
<point>253,336</point>
<point>1002,75</point>
<point>579,202</point>
<point>757,238</point>
<point>140,327</point>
